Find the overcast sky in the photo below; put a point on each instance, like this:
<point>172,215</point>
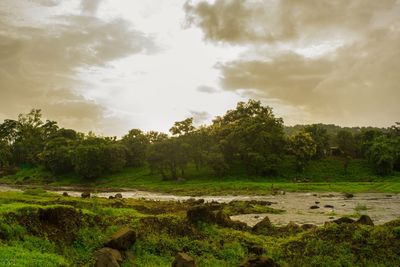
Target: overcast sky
<point>114,65</point>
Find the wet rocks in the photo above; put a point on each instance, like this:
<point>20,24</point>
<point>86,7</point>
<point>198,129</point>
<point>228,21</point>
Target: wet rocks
<point>313,207</point>
<point>85,195</point>
<point>260,261</point>
<point>343,220</point>
<point>107,257</point>
<point>348,195</point>
<point>122,239</point>
<point>329,206</point>
<point>308,226</point>
<point>183,260</point>
<point>118,195</point>
<point>366,220</point>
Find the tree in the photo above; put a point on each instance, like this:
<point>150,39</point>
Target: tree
<point>5,155</point>
<point>303,147</point>
<point>252,136</point>
<point>348,147</point>
<point>95,156</point>
<point>382,154</point>
<point>168,156</point>
<point>57,155</point>
<point>320,137</point>
<point>182,127</point>
<point>136,143</point>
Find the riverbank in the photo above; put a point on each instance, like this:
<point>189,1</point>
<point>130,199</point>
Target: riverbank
<point>39,228</point>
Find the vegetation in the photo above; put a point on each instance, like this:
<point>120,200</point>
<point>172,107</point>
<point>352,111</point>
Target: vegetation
<point>42,229</point>
<point>248,150</point>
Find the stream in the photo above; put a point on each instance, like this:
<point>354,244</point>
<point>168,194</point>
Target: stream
<point>381,207</point>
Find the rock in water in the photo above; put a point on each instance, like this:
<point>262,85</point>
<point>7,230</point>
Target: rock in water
<point>313,207</point>
<point>261,261</point>
<point>183,260</point>
<point>122,239</point>
<point>107,257</point>
<point>365,219</point>
<point>85,195</point>
<point>118,195</point>
<point>65,194</point>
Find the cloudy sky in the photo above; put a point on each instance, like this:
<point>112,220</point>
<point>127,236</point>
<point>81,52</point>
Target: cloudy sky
<point>114,65</point>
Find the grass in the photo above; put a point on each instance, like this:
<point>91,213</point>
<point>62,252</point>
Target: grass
<point>324,175</point>
<point>162,230</point>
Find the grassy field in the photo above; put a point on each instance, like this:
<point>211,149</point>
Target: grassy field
<point>323,175</point>
<point>81,226</point>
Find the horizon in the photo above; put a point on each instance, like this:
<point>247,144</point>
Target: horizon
<point>111,66</point>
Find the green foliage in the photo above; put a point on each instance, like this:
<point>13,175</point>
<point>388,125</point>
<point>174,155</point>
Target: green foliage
<point>303,147</point>
<point>384,154</point>
<point>57,155</point>
<point>136,144</point>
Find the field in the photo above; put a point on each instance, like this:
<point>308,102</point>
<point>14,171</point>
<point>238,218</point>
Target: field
<point>43,229</point>
<point>324,175</point>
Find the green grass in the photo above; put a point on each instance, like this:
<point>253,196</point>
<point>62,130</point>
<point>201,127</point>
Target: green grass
<point>162,230</point>
<point>320,176</point>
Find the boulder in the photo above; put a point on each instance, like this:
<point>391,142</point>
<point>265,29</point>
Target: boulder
<point>343,220</point>
<point>348,195</point>
<point>85,195</point>
<point>118,195</point>
<point>308,226</point>
<point>260,261</point>
<point>122,239</point>
<point>65,194</point>
<point>107,257</point>
<point>264,226</point>
<point>201,213</point>
<point>111,197</point>
<point>183,260</point>
<point>366,220</point>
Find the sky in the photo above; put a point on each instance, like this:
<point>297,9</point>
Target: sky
<point>113,65</point>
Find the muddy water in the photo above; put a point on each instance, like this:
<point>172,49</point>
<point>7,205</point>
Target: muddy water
<point>380,207</point>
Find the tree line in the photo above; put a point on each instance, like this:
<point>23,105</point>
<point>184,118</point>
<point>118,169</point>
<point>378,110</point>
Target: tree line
<point>249,136</point>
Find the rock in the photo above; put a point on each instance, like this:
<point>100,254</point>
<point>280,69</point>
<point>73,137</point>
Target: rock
<point>107,257</point>
<point>329,206</point>
<point>201,213</point>
<point>314,195</point>
<point>111,197</point>
<point>348,195</point>
<point>313,207</point>
<point>264,226</point>
<point>343,220</point>
<point>256,250</point>
<point>317,202</point>
<point>308,226</point>
<point>183,260</point>
<point>65,194</point>
<point>118,195</point>
<point>366,220</point>
<point>388,195</point>
<point>260,261</point>
<point>122,239</point>
<point>257,216</point>
<point>85,195</point>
